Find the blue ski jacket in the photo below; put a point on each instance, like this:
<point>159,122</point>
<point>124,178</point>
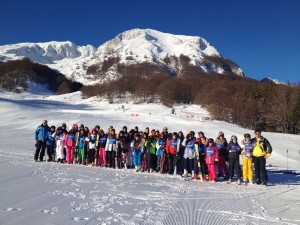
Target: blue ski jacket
<point>41,132</point>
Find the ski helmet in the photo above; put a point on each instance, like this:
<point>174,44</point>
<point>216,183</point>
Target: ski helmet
<point>221,134</point>
<point>52,127</point>
<point>210,140</point>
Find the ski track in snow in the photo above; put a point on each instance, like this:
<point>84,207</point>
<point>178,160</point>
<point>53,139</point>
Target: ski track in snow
<point>54,193</point>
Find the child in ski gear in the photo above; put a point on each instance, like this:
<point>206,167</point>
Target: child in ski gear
<point>40,140</point>
<point>172,149</point>
<point>59,137</point>
<point>137,147</point>
<point>143,152</point>
<point>189,154</point>
<point>119,150</point>
<point>211,158</point>
<point>110,148</point>
<point>160,153</point>
<point>179,158</point>
<point>91,147</point>
<point>262,150</point>
<point>64,130</point>
<point>150,146</point>
<point>50,144</point>
<point>247,154</point>
<point>80,146</point>
<point>221,144</point>
<point>129,159</point>
<point>70,143</point>
<point>102,161</point>
<point>234,151</point>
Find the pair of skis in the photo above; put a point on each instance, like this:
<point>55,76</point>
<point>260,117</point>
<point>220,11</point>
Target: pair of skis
<point>97,151</point>
<point>199,162</point>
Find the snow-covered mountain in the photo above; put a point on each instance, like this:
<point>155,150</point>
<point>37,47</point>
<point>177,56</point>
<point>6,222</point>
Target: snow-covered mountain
<point>131,47</point>
<point>271,80</point>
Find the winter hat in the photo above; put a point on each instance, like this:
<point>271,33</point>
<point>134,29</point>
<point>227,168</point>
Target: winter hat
<point>201,132</point>
<point>210,140</point>
<point>221,134</point>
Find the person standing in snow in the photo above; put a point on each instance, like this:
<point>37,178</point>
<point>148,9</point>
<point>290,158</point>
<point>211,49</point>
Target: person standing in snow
<point>110,148</point>
<point>59,137</point>
<point>70,143</point>
<point>247,155</point>
<point>221,144</point>
<point>50,144</point>
<point>262,150</point>
<point>137,148</point>
<point>91,147</point>
<point>189,154</point>
<point>172,149</point>
<point>150,146</point>
<point>211,159</point>
<point>160,146</point>
<point>41,134</point>
<point>102,161</point>
<point>234,151</point>
<point>80,146</point>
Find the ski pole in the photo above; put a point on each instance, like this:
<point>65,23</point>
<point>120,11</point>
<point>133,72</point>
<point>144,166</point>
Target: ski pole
<point>287,160</point>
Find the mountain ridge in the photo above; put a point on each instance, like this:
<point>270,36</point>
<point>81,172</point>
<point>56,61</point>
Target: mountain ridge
<point>131,47</point>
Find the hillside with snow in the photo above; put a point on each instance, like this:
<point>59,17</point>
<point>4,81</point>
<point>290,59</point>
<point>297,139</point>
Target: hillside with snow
<point>85,63</point>
<point>53,193</point>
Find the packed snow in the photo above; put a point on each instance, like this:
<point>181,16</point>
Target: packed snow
<point>53,193</point>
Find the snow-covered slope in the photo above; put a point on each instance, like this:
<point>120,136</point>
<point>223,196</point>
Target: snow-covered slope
<point>53,193</point>
<point>131,47</point>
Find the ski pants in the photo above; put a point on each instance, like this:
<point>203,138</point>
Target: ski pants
<point>102,157</point>
<point>70,154</point>
<point>189,164</point>
<point>152,161</point>
<point>129,158</point>
<point>137,158</point>
<point>144,161</point>
<point>260,168</point>
<point>172,162</point>
<point>40,150</point>
<point>212,171</point>
<point>203,166</point>
<point>111,155</point>
<point>180,165</point>
<point>247,169</point>
<point>234,164</point>
<point>80,153</point>
<point>222,167</point>
<point>90,155</point>
<point>60,152</point>
<point>50,151</point>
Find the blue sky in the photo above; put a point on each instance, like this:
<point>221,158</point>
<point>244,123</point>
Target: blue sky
<point>262,36</point>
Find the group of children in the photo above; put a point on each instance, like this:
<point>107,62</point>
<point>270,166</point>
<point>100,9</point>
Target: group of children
<point>154,151</point>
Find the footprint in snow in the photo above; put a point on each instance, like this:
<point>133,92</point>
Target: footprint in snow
<point>12,209</point>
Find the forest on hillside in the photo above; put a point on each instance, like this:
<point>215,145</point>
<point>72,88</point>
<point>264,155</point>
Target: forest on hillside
<point>15,75</point>
<point>239,100</point>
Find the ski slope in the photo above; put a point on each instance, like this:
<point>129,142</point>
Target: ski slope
<point>51,193</point>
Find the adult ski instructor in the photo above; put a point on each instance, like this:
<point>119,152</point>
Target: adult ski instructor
<point>41,134</point>
<point>262,150</point>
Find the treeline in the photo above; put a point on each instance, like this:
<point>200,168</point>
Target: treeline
<point>15,75</point>
<point>228,97</point>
